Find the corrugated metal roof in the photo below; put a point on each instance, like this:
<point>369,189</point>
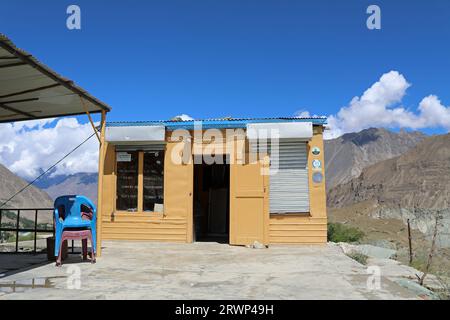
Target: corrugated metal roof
<point>217,123</point>
<point>31,90</point>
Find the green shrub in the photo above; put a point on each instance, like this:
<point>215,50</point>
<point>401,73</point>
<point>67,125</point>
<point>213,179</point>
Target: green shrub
<point>361,258</point>
<point>338,232</point>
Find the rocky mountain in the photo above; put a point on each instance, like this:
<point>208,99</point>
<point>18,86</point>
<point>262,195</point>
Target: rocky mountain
<point>32,197</point>
<point>346,156</point>
<point>80,183</point>
<point>414,185</point>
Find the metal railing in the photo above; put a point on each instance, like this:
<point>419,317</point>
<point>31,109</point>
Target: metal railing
<point>36,229</point>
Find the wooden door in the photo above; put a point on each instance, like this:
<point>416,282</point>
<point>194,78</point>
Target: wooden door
<point>249,210</point>
<point>178,189</point>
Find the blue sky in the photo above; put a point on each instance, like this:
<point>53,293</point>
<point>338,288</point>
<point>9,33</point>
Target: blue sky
<point>157,59</point>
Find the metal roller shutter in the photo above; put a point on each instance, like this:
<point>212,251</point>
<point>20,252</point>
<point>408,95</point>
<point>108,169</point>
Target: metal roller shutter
<point>289,188</point>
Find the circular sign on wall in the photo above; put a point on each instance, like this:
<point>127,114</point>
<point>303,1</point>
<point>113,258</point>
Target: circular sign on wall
<point>316,151</point>
<point>317,164</point>
<point>317,177</point>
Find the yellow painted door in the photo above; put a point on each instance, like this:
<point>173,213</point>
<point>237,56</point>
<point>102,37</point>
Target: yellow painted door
<point>249,212</point>
<point>178,189</point>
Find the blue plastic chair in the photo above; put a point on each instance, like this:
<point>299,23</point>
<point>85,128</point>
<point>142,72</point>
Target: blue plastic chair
<point>71,218</point>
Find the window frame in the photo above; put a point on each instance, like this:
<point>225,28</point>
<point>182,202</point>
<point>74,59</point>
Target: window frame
<point>140,207</point>
<point>116,184</point>
<point>143,180</point>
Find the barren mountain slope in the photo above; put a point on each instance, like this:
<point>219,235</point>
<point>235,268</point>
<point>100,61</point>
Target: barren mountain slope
<point>418,179</point>
<point>31,197</point>
<point>346,156</point>
<point>415,186</point>
<point>80,184</point>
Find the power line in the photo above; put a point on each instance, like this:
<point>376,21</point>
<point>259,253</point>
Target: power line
<point>49,169</point>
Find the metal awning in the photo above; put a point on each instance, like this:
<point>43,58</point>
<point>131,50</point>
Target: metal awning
<point>133,134</point>
<point>30,90</point>
<point>292,130</point>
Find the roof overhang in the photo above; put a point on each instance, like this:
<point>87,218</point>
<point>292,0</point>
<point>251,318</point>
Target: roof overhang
<point>133,134</point>
<point>30,90</point>
<point>292,130</point>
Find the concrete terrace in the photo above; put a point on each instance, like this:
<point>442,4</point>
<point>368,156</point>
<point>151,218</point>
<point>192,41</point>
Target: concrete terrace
<point>143,270</point>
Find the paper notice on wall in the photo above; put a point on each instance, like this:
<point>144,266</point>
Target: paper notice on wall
<point>159,207</point>
<point>123,157</point>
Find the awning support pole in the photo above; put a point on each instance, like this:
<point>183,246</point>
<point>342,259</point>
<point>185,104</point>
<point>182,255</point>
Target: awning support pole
<point>101,166</point>
<point>90,119</point>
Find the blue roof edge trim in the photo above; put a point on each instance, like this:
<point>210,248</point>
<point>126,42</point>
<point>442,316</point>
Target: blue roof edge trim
<point>214,124</point>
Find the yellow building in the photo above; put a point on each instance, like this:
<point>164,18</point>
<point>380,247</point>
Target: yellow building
<point>231,180</point>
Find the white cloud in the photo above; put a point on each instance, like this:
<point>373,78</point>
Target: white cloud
<point>28,148</point>
<point>434,113</point>
<point>184,117</point>
<point>302,114</point>
<point>379,106</point>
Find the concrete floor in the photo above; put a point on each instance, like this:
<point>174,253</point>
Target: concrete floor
<point>142,270</point>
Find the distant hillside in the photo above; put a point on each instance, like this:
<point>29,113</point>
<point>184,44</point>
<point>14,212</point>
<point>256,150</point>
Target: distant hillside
<point>346,156</point>
<point>80,184</point>
<point>415,185</point>
<point>31,197</point>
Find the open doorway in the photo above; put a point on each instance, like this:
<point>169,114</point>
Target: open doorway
<point>211,202</point>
